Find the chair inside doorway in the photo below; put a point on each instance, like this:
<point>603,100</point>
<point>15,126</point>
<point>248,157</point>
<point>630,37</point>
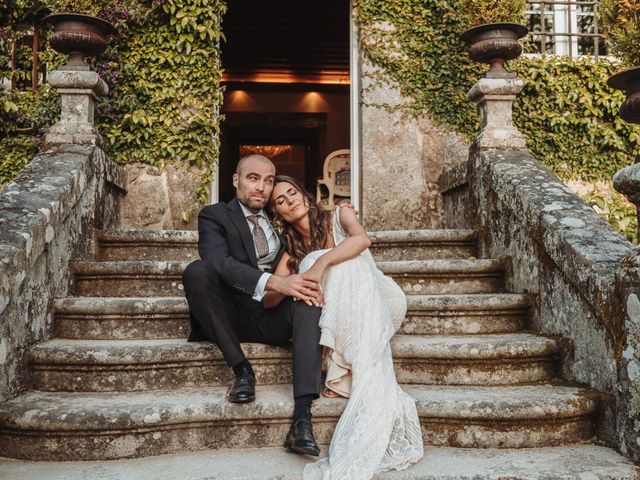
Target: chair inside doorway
<point>335,185</point>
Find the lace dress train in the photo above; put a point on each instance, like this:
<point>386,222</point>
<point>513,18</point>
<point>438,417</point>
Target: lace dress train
<point>379,429</point>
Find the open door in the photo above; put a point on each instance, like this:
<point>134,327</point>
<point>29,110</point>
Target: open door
<point>288,78</point>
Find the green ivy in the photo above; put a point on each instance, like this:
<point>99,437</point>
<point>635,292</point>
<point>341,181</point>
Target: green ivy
<point>22,111</point>
<point>164,72</point>
<point>15,152</point>
<point>165,106</point>
<point>416,44</point>
<point>23,118</point>
<point>566,111</point>
<point>569,117</point>
<point>478,12</point>
<point>617,210</point>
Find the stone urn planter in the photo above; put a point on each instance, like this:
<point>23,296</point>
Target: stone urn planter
<point>495,43</point>
<point>629,82</point>
<point>627,180</point>
<point>78,36</point>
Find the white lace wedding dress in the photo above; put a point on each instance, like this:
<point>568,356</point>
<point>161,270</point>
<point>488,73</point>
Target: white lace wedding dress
<point>379,429</point>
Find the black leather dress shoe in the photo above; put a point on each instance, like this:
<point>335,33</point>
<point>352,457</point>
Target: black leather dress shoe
<point>243,389</point>
<point>301,439</point>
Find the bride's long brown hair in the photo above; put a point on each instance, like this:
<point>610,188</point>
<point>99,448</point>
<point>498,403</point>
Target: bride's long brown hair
<point>319,225</point>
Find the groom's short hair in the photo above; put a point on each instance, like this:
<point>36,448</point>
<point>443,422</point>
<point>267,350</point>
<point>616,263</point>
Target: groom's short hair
<point>253,156</point>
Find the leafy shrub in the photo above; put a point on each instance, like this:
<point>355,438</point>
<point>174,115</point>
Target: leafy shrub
<point>28,110</point>
<point>569,117</point>
<point>15,153</point>
<point>620,20</point>
<point>477,12</point>
<point>617,210</point>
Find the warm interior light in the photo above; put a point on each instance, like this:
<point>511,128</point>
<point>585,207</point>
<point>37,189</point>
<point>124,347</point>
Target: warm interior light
<point>327,77</point>
<point>269,151</point>
<point>312,101</point>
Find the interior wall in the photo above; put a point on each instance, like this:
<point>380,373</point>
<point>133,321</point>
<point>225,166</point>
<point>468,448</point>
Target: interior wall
<point>335,105</point>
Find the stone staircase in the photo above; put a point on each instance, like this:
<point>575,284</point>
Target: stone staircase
<point>120,381</point>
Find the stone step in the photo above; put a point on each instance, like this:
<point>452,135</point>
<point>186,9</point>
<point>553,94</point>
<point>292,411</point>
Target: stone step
<point>137,365</point>
<point>571,462</point>
<point>100,426</point>
<point>160,278</point>
<point>107,318</point>
<point>423,244</point>
<point>164,245</point>
<point>502,359</point>
<point>466,314</point>
<point>446,276</point>
<point>113,318</point>
<point>128,278</point>
<point>119,245</point>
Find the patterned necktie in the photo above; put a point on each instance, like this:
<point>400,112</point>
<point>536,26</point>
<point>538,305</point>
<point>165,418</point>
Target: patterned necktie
<point>259,237</point>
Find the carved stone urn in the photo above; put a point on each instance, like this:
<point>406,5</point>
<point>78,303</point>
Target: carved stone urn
<point>627,180</point>
<point>78,36</point>
<point>495,43</point>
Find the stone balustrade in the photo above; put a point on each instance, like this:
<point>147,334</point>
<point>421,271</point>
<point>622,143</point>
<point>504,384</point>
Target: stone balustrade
<point>584,274</point>
<point>50,212</point>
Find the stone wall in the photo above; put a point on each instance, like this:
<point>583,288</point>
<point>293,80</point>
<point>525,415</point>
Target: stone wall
<point>47,217</point>
<point>628,362</point>
<point>402,158</point>
<point>559,249</point>
<point>454,188</point>
<point>161,199</point>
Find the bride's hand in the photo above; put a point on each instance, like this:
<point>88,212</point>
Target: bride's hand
<point>316,272</point>
<point>351,206</point>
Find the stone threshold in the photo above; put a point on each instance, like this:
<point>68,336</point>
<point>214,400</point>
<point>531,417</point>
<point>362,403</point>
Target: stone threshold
<point>575,462</point>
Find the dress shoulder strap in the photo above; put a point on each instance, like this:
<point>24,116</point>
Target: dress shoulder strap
<point>338,232</point>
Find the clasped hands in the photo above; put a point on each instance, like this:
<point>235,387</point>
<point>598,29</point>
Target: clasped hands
<point>304,286</point>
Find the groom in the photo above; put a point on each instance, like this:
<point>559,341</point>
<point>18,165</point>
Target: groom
<point>238,248</point>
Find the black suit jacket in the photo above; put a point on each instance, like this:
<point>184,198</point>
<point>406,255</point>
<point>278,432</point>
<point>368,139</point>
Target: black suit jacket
<point>226,245</point>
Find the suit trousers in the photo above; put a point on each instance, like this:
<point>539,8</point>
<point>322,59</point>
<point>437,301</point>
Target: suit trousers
<point>220,315</point>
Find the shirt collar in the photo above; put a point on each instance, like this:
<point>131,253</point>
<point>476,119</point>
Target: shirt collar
<point>248,212</point>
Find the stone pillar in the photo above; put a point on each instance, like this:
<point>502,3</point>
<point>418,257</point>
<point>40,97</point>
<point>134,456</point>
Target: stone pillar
<point>494,97</point>
<point>79,90</point>
<point>627,182</point>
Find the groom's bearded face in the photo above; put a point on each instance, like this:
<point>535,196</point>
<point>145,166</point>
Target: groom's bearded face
<point>254,183</point>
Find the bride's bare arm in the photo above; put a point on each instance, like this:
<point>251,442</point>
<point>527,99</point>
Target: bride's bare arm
<point>356,243</point>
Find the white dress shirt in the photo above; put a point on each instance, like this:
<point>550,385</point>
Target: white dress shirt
<point>271,239</point>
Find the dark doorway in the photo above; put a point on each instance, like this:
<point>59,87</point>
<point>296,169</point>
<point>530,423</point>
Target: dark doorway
<point>286,78</point>
<point>300,136</point>
<point>286,41</point>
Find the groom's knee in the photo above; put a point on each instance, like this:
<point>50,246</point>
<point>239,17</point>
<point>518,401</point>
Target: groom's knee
<point>198,277</point>
<point>308,312</point>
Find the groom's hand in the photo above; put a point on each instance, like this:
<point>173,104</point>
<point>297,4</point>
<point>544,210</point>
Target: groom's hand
<point>298,287</point>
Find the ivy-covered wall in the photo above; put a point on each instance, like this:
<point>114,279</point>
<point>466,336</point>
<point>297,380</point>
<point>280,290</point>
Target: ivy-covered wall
<point>163,70</point>
<point>566,112</point>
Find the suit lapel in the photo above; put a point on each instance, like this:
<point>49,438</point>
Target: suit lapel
<point>237,217</point>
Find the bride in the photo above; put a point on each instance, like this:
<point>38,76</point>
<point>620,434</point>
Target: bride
<point>379,429</point>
